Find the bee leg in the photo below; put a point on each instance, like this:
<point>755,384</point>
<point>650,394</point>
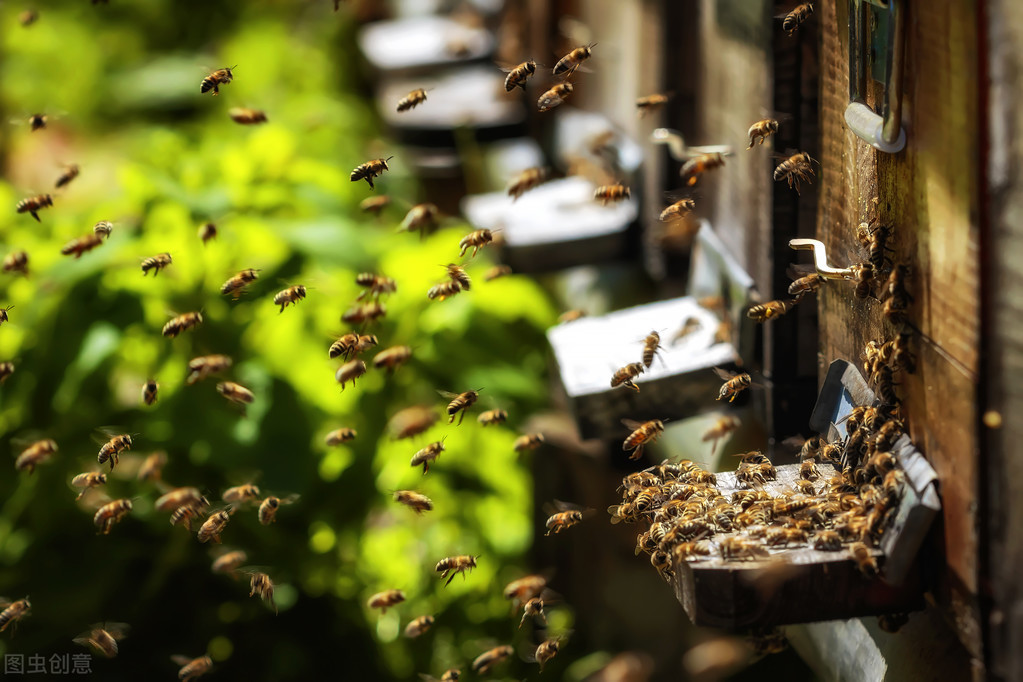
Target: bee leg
<point>369,179</point>
<point>637,453</point>
<point>36,216</point>
<point>450,579</point>
<point>461,417</point>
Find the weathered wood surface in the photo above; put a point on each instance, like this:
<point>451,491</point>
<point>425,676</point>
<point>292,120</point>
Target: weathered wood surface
<point>929,193</point>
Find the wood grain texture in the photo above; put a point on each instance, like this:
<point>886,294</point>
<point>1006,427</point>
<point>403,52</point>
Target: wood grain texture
<point>929,193</point>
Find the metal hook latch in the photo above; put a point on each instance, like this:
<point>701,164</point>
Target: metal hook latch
<point>820,259</point>
<point>883,131</point>
<point>677,145</point>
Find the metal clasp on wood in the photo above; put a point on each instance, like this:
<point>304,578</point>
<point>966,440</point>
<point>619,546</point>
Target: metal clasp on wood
<point>677,145</point>
<point>820,259</point>
<point>885,48</point>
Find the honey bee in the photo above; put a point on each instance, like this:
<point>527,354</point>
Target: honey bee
<point>488,659</point>
<point>734,384</point>
<point>350,371</point>
<point>290,295</point>
<point>698,165</point>
<point>417,502</point>
<point>553,97</point>
<point>497,272</point>
<point>392,358</point>
<point>421,218</point>
<point>150,391</point>
<point>864,558</point>
<point>16,261</point>
<point>547,650</point>
<point>361,314</point>
<point>679,209</point>
<point>237,283</point>
<point>808,470</point>
<point>201,367</point>
<point>213,527</point>
<point>6,370</point>
<point>458,274</point>
<point>81,245</point>
<point>719,429</point>
<point>443,291</point>
<point>375,205</point>
<point>460,403</point>
<point>562,520</point>
<point>229,562</point>
<point>864,279</point>
<point>262,586</point>
<point>625,376</point>
<point>643,433</point>
<point>567,65</point>
<point>571,316</point>
<point>385,600</point>
<point>475,240</point>
<point>28,17</point>
<point>427,455</point>
<point>527,180</point>
<point>794,169</point>
<point>37,121</point>
<point>215,80</point>
<point>419,626</point>
<point>192,668</point>
<point>491,417</point>
<point>741,548</point>
<point>207,231</point>
<point>241,493</point>
<point>156,264</point>
<point>884,381</point>
<point>525,588</point>
<point>518,76</point>
<point>412,421</point>
<point>13,612</point>
<point>770,310</point>
<point>267,513</point>
<point>186,513</point>
<point>651,103</point>
<point>375,285</point>
<point>828,541</point>
<point>178,497</point>
<point>612,193</point>
<point>529,441</point>
<point>344,346</point>
<point>236,393</point>
<point>88,480</point>
<point>807,284</point>
<point>369,170</point>
<point>897,297</point>
<point>110,514</point>
<point>113,448</point>
<point>102,638</point>
<point>338,436</point>
<point>69,174</point>
<point>34,455</point>
<point>412,100</point>
<point>533,609</point>
<point>651,344</point>
<point>247,117</point>
<point>796,17</point>
<point>761,130</point>
<point>453,565</point>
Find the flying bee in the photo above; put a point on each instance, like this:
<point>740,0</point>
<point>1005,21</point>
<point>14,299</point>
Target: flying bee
<point>553,97</point>
<point>369,170</point>
<point>527,180</point>
<point>28,17</point>
<point>427,455</point>
<point>491,417</point>
<point>37,121</point>
<point>338,436</point>
<point>374,285</point>
<point>215,80</point>
<point>443,291</point>
<point>16,261</point>
<point>719,429</point>
<point>236,393</point>
<point>229,562</point>
<point>412,100</point>
<point>182,323</point>
<point>547,650</point>
<point>385,600</point>
<point>488,659</point>
<point>262,586</point>
<point>794,169</point>
<point>412,421</point>
<point>567,65</point>
<point>497,272</point>
<point>87,481</point>
<point>178,497</point>
<point>392,358</point>
<point>81,245</point>
<point>69,174</point>
<point>103,638</point>
<point>186,513</point>
<point>247,117</point>
<point>267,512</point>
<point>34,455</point>
<point>458,274</point>
<point>475,240</point>
<point>213,527</point>
<point>3,314</point>
<point>417,502</point>
<point>111,449</point>
<point>156,264</point>
<point>240,494</point>
<point>6,370</point>
<point>761,130</point>
<point>643,433</point>
<point>807,284</point>
<point>612,193</point>
<point>103,228</point>
<point>563,520</point>
<point>192,668</point>
<point>364,313</point>
<point>291,295</point>
<point>419,626</point>
<point>110,514</point>
<point>350,371</point>
<point>698,165</point>
<point>237,283</point>
<point>518,76</point>
<point>625,376</point>
<point>201,367</point>
<point>525,588</point>
<point>460,403</point>
<point>375,204</point>
<point>344,346</point>
<point>533,609</point>
<point>864,558</point>
<point>453,565</point>
<point>207,231</point>
<point>13,612</point>
<point>651,344</point>
<point>679,209</point>
<point>150,391</point>
<point>793,19</point>
<point>651,103</point>
<point>763,312</point>
<point>735,384</point>
<point>421,218</point>
<point>530,441</point>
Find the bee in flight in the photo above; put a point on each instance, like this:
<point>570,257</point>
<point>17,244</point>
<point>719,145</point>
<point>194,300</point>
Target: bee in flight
<point>338,436</point>
<point>392,358</point>
<point>488,659</point>
<point>207,231</point>
<point>247,117</point>
<point>350,371</point>
<point>152,466</point>
<point>555,96</point>
<point>111,449</point>
<point>643,433</point>
<point>418,626</point>
<point>529,441</point>
<point>201,367</point>
<point>625,376</point>
<point>13,611</point>
<point>369,170</point>
<point>37,122</point>
<point>679,209</point>
<point>460,402</point>
<point>417,502</point>
<point>374,285</point>
<point>475,240</point>
<point>453,565</point>
<point>734,383</point>
<point>34,455</point>
<point>16,261</point>
<point>797,16</point>
<point>87,481</point>
<point>412,421</point>
<point>267,512</point>
<point>518,76</point>
<point>761,130</point>
<point>527,180</point>
<point>102,638</point>
<point>458,274</point>
<point>421,218</point>
<point>491,417</point>
<point>213,527</point>
<point>216,79</point>
<point>651,103</point>
<point>366,312</point>
<point>443,291</point>
<point>497,272</point>
<point>240,494</point>
<point>651,344</point>
<point>150,391</point>
<point>412,100</point>
<point>375,205</point>
<point>533,609</point>
<point>612,193</point>
<point>237,283</point>
<point>69,174</point>
<point>567,65</point>
<point>110,514</point>
<point>156,264</point>
<point>547,650</point>
<point>768,311</point>
<point>385,600</point>
<point>32,205</point>
<point>718,430</point>
<point>567,516</point>
<point>3,314</point>
<point>82,244</point>
<point>427,455</point>
<point>698,165</point>
<point>796,168</point>
<point>236,393</point>
<point>103,228</point>
<point>6,370</point>
<point>228,562</point>
<point>192,668</point>
<point>262,586</point>
<point>290,295</point>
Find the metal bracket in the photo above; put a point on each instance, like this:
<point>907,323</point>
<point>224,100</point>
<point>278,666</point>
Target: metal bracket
<point>883,131</point>
<point>820,259</point>
<point>677,145</point>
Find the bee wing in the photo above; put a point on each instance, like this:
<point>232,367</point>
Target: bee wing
<point>448,394</point>
<point>115,630</point>
<point>551,508</point>
<point>181,660</point>
<point>725,374</point>
<point>793,443</point>
<point>5,602</point>
<point>632,424</point>
<point>428,678</point>
<point>798,270</point>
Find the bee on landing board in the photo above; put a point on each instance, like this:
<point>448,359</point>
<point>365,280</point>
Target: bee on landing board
<point>643,433</point>
<point>553,97</point>
<point>69,174</point>
<point>247,117</point>
<point>761,130</point>
<point>698,165</point>
<point>291,295</point>
<point>235,286</point>
<point>191,668</point>
<point>453,565</point>
<point>735,384</point>
<point>156,264</point>
<point>567,65</point>
<point>518,75</point>
<point>369,170</point>
<point>216,79</point>
<point>412,100</point>
<point>32,205</point>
